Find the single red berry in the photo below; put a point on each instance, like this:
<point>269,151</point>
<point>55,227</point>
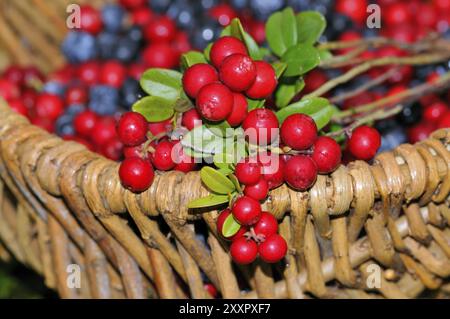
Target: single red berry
<point>239,111</point>
<point>191,119</point>
<point>197,76</point>
<point>211,289</point>
<point>246,210</point>
<point>257,191</point>
<point>162,158</point>
<point>420,132</point>
<point>132,129</point>
<point>31,74</point>
<point>221,220</point>
<point>243,251</point>
<point>141,16</point>
<point>298,131</point>
<point>90,19</point>
<point>265,82</point>
<point>314,80</point>
<point>14,74</point>
<point>89,72</point>
<point>133,4</point>
<point>113,74</point>
<point>428,15</point>
<point>132,151</point>
<point>272,169</point>
<point>326,154</point>
<point>273,249</point>
<point>18,106</point>
<point>160,55</point>
<point>181,43</point>
<point>434,112</point>
<point>160,128</point>
<point>29,97</point>
<point>112,149</point>
<point>160,29</point>
<point>183,162</point>
<point>223,13</point>
<point>136,174</point>
<point>300,172</point>
<point>354,9</point>
<point>214,102</point>
<point>76,95</point>
<point>397,13</point>
<point>257,30</point>
<point>103,131</point>
<point>444,121</point>
<point>267,225</point>
<point>84,123</point>
<point>224,47</point>
<point>8,90</point>
<point>261,126</point>
<point>248,171</point>
<point>135,70</point>
<point>49,106</point>
<point>238,72</point>
<point>364,142</point>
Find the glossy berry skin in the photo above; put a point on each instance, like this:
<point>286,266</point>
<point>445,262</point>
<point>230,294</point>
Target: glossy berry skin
<point>258,191</point>
<point>90,20</point>
<point>420,132</point>
<point>326,154</point>
<point>298,131</point>
<point>238,72</point>
<point>136,174</point>
<point>214,102</point>
<point>18,106</point>
<point>112,149</point>
<point>132,151</point>
<point>197,76</point>
<point>183,162</point>
<point>160,29</point>
<point>49,106</point>
<point>191,119</point>
<point>103,131</point>
<point>364,142</point>
<point>355,9</point>
<point>243,251</point>
<point>160,128</point>
<point>160,55</point>
<point>132,129</point>
<point>162,157</point>
<point>224,47</point>
<point>246,210</point>
<point>300,172</point>
<point>224,13</point>
<point>221,220</point>
<point>444,122</point>
<point>273,249</point>
<point>434,112</point>
<point>76,95</point>
<point>113,74</point>
<point>84,123</point>
<point>265,82</point>
<point>248,172</point>
<point>267,225</point>
<point>9,90</point>
<point>261,125</point>
<point>272,169</point>
<point>89,72</point>
<point>211,290</point>
<point>239,110</point>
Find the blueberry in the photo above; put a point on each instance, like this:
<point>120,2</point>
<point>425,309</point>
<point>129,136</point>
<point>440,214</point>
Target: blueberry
<point>74,109</point>
<point>79,47</point>
<point>410,114</point>
<point>107,43</point>
<point>54,88</point>
<point>126,50</point>
<point>322,6</point>
<point>208,4</point>
<point>299,5</point>
<point>262,9</point>
<point>392,139</point>
<point>386,125</point>
<point>239,4</point>
<point>130,92</point>
<point>113,16</point>
<point>104,99</point>
<point>205,33</point>
<point>183,13</point>
<point>64,125</point>
<point>135,33</point>
<point>159,6</point>
<point>337,24</point>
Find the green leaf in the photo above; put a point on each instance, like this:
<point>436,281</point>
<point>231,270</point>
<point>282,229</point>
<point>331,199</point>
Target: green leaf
<point>310,26</point>
<point>323,116</point>
<point>221,129</point>
<point>230,227</point>
<point>255,104</point>
<point>281,31</point>
<point>202,141</point>
<point>235,181</point>
<point>209,201</point>
<point>162,83</point>
<point>236,30</point>
<point>154,108</point>
<point>289,27</point>
<point>279,68</point>
<point>325,54</point>
<point>182,105</point>
<point>191,58</point>
<point>207,51</point>
<point>216,181</point>
<point>300,59</point>
<point>223,160</point>
<point>306,106</point>
<point>287,91</point>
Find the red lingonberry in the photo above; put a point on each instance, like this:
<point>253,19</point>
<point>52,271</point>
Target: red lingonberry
<point>133,4</point>
<point>265,82</point>
<point>136,174</point>
<point>183,162</point>
<point>434,112</point>
<point>31,74</point>
<point>248,171</point>
<point>224,47</point>
<point>84,123</point>
<point>273,249</point>
<point>197,76</point>
<point>103,131</point>
<point>221,220</point>
<point>90,19</point>
<point>239,110</point>
<point>214,102</point>
<point>132,129</point>
<point>162,156</point>
<point>243,251</point>
<point>76,95</point>
<point>261,126</point>
<point>355,9</point>
<point>298,131</point>
<point>160,55</point>
<point>89,72</point>
<point>272,169</point>
<point>238,72</point>
<point>191,119</point>
<point>14,74</point>
<point>267,225</point>
<point>18,106</point>
<point>135,70</point>
<point>132,151</point>
<point>326,154</point>
<point>160,29</point>
<point>29,97</point>
<point>314,80</point>
<point>141,16</point>
<point>223,13</point>
<point>300,172</point>
<point>444,121</point>
<point>257,191</point>
<point>397,13</point>
<point>420,131</point>
<point>112,149</point>
<point>364,142</point>
<point>428,15</point>
<point>49,106</point>
<point>211,289</point>
<point>246,210</point>
<point>113,73</point>
<point>257,30</point>
<point>8,90</point>
<point>160,128</point>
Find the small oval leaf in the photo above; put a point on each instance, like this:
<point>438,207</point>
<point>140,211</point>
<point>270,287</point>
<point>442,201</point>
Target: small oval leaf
<point>230,227</point>
<point>306,106</point>
<point>300,59</point>
<point>209,201</point>
<point>162,83</point>
<point>191,58</point>
<point>154,108</point>
<point>215,181</point>
<point>310,26</point>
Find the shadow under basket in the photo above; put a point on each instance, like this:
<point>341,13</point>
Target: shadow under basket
<point>365,231</point>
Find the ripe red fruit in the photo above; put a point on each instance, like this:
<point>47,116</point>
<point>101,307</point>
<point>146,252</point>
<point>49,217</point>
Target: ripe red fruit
<point>18,106</point>
<point>248,171</point>
<point>314,80</point>
<point>133,4</point>
<point>257,191</point>
<point>89,72</point>
<point>214,102</point>
<point>272,169</point>
<point>397,13</point>
<point>298,131</point>
<point>364,142</point>
<point>9,90</point>
<point>246,210</point>
<point>162,157</point>
<point>273,249</point>
<point>132,151</point>
<point>135,70</point>
<point>197,76</point>
<point>261,126</point>
<point>239,111</point>
<point>420,131</point>
<point>113,74</point>
<point>224,47</point>
<point>191,119</point>
<point>112,149</point>
<point>76,95</point>
<point>300,172</point>
<point>211,290</point>
<point>221,220</point>
<point>132,129</point>
<point>355,9</point>
<point>84,123</point>
<point>14,74</point>
<point>238,72</point>
<point>183,162</point>
<point>223,13</point>
<point>243,251</point>
<point>434,112</point>
<point>29,97</point>
<point>326,154</point>
<point>49,106</point>
<point>267,225</point>
<point>159,128</point>
<point>141,16</point>
<point>445,121</point>
<point>160,29</point>
<point>265,82</point>
<point>90,19</point>
<point>160,55</point>
<point>136,174</point>
<point>103,131</point>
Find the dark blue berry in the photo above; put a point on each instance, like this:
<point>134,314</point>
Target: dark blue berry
<point>183,13</point>
<point>206,32</point>
<point>392,139</point>
<point>207,4</point>
<point>74,109</point>
<point>79,47</point>
<point>239,4</point>
<point>113,16</point>
<point>104,99</point>
<point>54,88</point>
<point>126,50</point>
<point>64,125</point>
<point>262,9</point>
<point>130,92</point>
<point>135,33</point>
<point>107,44</point>
<point>159,6</point>
<point>410,114</point>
